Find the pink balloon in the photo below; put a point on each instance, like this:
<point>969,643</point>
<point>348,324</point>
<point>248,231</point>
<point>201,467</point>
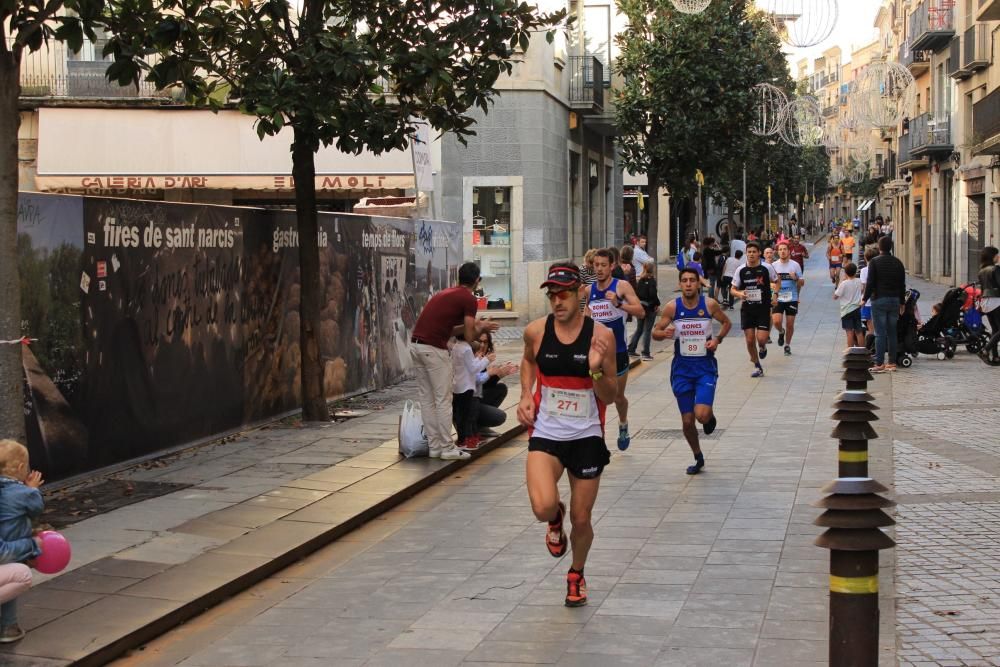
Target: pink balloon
<point>56,552</point>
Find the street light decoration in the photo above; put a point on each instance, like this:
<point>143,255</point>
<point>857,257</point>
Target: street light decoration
<point>886,91</point>
<point>802,23</point>
<point>691,6</point>
<point>769,105</point>
<point>802,123</point>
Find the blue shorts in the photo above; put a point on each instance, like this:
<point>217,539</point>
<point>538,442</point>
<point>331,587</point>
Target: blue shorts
<point>694,385</point>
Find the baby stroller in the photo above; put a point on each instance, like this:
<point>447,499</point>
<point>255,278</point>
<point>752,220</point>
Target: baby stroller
<point>942,333</point>
<point>907,336</point>
<point>971,331</point>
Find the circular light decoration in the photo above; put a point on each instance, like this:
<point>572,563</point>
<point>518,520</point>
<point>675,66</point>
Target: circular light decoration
<point>691,6</point>
<point>862,151</point>
<point>858,174</point>
<point>769,105</point>
<point>801,23</point>
<point>885,92</point>
<point>802,123</point>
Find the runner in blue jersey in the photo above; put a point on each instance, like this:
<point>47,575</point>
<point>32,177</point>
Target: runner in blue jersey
<point>694,369</point>
<point>610,301</point>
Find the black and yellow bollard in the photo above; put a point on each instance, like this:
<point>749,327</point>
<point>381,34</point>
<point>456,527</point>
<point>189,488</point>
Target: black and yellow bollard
<point>857,361</point>
<point>854,412</point>
<point>853,517</point>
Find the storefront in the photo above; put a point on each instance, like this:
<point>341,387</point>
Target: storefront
<point>197,156</point>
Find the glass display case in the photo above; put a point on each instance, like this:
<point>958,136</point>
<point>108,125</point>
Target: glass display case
<point>491,208</point>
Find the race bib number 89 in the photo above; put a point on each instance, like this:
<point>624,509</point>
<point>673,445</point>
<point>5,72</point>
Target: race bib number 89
<point>570,403</point>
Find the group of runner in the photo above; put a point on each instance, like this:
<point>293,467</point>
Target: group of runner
<point>576,363</point>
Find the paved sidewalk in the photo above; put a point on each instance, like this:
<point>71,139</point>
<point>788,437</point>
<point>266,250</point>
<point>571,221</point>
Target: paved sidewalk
<point>717,569</point>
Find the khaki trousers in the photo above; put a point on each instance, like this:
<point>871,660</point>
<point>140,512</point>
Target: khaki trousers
<point>434,372</point>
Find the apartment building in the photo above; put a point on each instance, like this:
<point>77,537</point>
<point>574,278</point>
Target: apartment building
<point>539,182</point>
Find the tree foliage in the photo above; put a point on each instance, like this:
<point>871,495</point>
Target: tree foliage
<point>350,73</point>
<point>25,26</point>
<point>687,103</point>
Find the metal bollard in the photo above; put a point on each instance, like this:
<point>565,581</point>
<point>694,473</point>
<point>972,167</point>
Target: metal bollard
<point>854,411</point>
<point>853,517</point>
<point>857,361</point>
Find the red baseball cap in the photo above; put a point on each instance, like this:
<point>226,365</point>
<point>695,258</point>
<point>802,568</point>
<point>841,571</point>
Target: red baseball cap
<point>562,276</point>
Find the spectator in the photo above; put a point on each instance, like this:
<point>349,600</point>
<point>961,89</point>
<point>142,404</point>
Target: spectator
<point>849,293</point>
<point>709,263</point>
<point>450,312</point>
<point>490,390</point>
<point>587,277</point>
<point>648,295</point>
<point>641,256</point>
<point>728,273</point>
<point>20,504</point>
<point>886,287</point>
<point>466,366</point>
<point>989,281</point>
<point>628,268</point>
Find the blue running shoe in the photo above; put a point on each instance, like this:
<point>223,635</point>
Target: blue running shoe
<point>758,372</point>
<point>624,439</point>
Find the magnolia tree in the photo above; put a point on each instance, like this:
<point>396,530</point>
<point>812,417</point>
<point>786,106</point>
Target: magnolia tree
<point>349,73</point>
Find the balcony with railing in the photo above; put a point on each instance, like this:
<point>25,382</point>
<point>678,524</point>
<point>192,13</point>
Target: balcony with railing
<point>586,84</point>
<point>55,71</point>
<point>976,48</point>
<point>932,25</point>
<point>831,111</point>
<point>986,125</point>
<point>955,68</point>
<point>917,62</point>
<point>989,10</point>
<point>931,137</point>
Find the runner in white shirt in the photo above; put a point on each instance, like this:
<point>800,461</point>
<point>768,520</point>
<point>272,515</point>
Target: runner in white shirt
<point>789,284</point>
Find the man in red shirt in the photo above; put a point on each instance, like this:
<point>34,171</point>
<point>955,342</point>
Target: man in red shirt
<point>798,252</point>
<point>450,312</point>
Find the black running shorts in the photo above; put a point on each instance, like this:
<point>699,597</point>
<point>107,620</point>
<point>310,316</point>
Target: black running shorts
<point>790,308</point>
<point>622,362</point>
<point>755,316</point>
<point>584,459</point>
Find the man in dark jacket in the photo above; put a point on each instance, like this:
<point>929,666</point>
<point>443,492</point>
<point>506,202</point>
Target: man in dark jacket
<point>886,287</point>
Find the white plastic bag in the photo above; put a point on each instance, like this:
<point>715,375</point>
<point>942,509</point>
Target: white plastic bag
<point>412,440</point>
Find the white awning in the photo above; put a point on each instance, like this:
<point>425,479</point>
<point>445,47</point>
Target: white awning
<point>865,205</point>
<point>117,149</point>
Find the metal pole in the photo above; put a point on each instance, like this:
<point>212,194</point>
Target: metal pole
<point>745,204</point>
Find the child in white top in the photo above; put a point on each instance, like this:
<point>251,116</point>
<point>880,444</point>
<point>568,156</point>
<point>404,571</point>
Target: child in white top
<point>466,366</point>
<point>850,293</point>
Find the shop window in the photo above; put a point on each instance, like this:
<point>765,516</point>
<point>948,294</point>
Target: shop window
<point>491,210</point>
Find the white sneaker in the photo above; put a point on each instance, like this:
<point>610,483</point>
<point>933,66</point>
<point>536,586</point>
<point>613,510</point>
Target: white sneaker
<point>433,453</point>
<point>453,454</point>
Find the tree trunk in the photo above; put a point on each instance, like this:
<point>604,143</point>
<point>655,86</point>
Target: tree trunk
<point>653,228</point>
<point>304,172</point>
<point>11,366</point>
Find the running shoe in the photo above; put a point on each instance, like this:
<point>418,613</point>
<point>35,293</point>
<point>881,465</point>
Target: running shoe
<point>763,351</point>
<point>788,350</point>
<point>624,439</point>
<point>647,357</point>
<point>555,536</point>
<point>758,372</point>
<point>699,463</point>
<point>709,426</point>
<point>781,337</point>
<point>576,589</point>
